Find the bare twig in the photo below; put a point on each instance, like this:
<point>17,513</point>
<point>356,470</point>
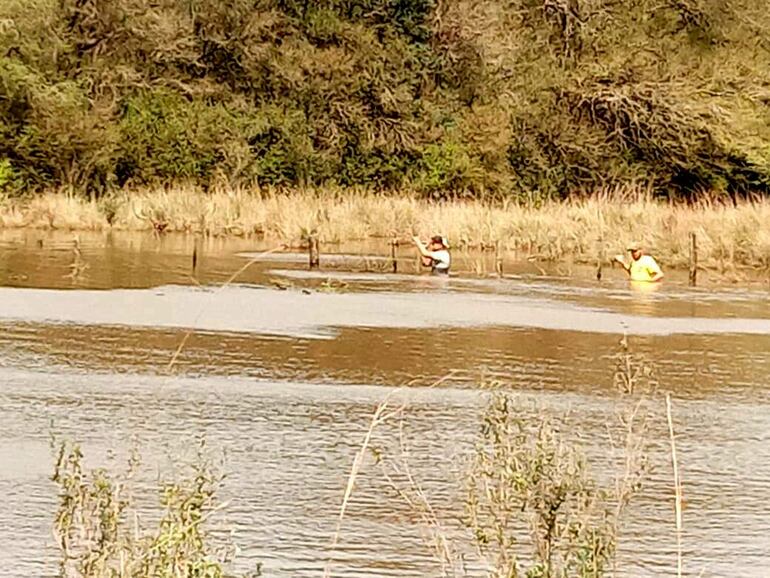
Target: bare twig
<point>378,417</point>
<point>414,496</point>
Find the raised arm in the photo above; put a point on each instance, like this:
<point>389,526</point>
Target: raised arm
<point>421,247</point>
<point>627,266</point>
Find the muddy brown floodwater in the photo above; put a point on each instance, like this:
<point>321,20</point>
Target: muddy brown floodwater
<point>285,367</point>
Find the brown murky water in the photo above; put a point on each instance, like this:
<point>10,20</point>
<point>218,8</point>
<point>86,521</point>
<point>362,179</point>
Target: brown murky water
<point>284,368</point>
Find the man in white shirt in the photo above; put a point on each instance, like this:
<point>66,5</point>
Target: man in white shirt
<point>435,255</point>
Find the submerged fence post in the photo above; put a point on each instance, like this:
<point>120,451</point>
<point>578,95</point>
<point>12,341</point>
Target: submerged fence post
<point>768,276</point>
<point>600,258</point>
<point>498,260</point>
<point>394,255</point>
<point>313,252</point>
<point>195,256</point>
<point>693,259</point>
<point>600,243</point>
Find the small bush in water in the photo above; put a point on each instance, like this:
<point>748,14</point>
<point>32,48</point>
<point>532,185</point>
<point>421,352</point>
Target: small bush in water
<point>533,506</point>
<point>98,531</point>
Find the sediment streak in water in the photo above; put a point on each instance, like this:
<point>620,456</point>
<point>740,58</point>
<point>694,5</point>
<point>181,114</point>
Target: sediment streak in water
<point>316,315</point>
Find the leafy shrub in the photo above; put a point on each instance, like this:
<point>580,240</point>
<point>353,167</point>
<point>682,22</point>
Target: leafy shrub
<point>166,138</point>
<point>446,168</point>
<point>529,489</point>
<point>98,528</point>
<point>6,175</point>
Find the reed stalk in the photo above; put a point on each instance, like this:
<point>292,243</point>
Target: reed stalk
<point>379,417</point>
<point>203,309</point>
<point>677,487</point>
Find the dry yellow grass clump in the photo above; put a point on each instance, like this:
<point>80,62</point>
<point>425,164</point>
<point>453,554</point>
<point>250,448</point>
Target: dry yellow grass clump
<point>581,230</point>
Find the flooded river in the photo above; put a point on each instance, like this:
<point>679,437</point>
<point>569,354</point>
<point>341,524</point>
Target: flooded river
<point>284,367</point>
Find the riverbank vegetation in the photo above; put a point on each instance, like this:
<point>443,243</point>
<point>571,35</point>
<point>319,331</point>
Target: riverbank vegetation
<point>525,100</point>
<point>100,532</point>
<point>730,235</point>
<point>535,505</point>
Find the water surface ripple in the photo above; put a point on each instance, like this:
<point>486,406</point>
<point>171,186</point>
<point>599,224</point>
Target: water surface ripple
<point>282,373</point>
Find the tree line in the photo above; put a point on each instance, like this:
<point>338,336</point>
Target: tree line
<point>501,98</point>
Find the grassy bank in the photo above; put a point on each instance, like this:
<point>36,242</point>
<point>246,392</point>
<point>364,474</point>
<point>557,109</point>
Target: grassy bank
<point>728,236</point>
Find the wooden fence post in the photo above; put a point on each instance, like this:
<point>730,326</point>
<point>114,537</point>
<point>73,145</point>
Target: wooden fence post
<point>195,256</point>
<point>600,258</point>
<point>693,259</point>
<point>600,243</point>
<point>394,255</point>
<point>768,275</point>
<point>313,252</point>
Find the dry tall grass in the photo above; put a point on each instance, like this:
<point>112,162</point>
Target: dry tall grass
<point>581,230</point>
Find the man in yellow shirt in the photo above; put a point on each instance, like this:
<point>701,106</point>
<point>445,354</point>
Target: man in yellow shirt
<point>642,267</point>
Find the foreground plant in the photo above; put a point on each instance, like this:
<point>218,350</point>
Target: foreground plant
<point>98,530</point>
<point>533,507</point>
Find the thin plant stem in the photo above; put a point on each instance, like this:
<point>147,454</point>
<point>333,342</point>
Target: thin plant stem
<point>379,416</point>
<point>677,488</point>
<point>227,283</point>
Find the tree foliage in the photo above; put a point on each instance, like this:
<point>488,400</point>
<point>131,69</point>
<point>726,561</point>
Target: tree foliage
<point>448,97</point>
